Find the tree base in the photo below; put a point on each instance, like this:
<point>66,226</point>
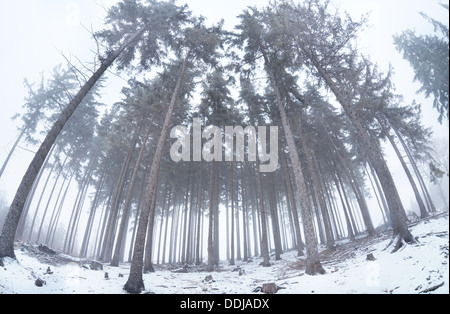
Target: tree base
<point>114,264</point>
<point>399,242</point>
<point>6,250</point>
<point>266,264</point>
<point>149,269</point>
<point>134,286</point>
<point>315,269</point>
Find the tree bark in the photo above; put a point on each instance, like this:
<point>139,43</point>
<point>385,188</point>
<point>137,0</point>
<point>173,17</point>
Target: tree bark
<point>135,283</point>
<point>313,266</point>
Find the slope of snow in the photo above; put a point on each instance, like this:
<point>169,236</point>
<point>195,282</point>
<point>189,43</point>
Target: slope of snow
<point>413,269</point>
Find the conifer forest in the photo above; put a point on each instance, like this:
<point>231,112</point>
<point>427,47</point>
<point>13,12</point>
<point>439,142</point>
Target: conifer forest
<point>227,144</point>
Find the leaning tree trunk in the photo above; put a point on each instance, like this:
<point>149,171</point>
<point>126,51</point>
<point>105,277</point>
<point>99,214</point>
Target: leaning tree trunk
<point>22,133</point>
<point>126,209</point>
<point>373,150</point>
<point>313,265</point>
<point>426,194</point>
<point>110,233</point>
<point>12,220</point>
<point>316,187</point>
<point>291,198</point>
<point>423,211</point>
<point>135,283</point>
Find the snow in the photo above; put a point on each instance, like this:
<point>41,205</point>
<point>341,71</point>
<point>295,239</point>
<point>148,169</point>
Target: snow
<point>412,270</point>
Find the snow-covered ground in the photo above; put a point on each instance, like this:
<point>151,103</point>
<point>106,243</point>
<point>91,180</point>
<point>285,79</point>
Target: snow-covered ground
<point>412,270</point>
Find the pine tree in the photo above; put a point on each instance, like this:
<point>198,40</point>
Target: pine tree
<point>198,44</point>
<point>429,57</point>
<point>257,37</point>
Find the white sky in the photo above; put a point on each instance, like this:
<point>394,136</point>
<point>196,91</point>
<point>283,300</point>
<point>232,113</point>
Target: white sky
<point>32,32</point>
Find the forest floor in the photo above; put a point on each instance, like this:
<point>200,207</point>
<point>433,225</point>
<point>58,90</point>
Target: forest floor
<point>414,269</point>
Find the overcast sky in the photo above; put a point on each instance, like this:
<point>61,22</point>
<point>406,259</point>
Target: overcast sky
<point>33,32</point>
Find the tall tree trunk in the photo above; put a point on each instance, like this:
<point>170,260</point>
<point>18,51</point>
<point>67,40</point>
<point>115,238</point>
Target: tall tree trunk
<point>187,214</point>
<point>232,215</point>
<point>255,225</point>
<point>22,222</point>
<point>290,193</point>
<point>110,235</point>
<point>49,199</point>
<point>262,214</point>
<point>191,218</point>
<point>166,229</point>
<point>385,207</point>
<point>212,186</point>
<point>87,183</point>
<point>344,208</point>
<point>164,212</point>
<point>244,217</point>
<point>238,228</point>
<point>38,206</point>
<point>90,223</point>
<point>374,153</point>
<point>216,201</point>
<point>349,208</point>
<point>274,216</point>
<point>135,283</point>
<point>199,215</point>
<point>353,181</point>
<point>313,266</point>
<point>317,188</point>
<point>148,254</point>
<point>423,211</point>
<point>16,143</point>
<point>73,217</point>
<point>10,227</point>
<point>126,208</point>
<point>138,211</point>
<point>428,199</point>
<point>54,226</point>
<point>380,205</point>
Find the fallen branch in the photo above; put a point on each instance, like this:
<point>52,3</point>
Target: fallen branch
<point>433,288</point>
